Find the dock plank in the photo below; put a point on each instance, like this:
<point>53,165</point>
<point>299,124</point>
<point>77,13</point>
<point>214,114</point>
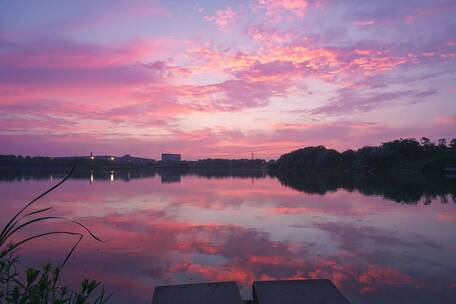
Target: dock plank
<point>297,292</point>
<point>201,293</point>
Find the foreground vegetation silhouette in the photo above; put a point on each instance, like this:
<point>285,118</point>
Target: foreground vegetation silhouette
<point>41,286</point>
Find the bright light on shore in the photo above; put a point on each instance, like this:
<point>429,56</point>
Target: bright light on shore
<point>112,158</point>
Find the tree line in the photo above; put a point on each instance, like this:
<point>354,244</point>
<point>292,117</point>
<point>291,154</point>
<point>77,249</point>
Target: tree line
<point>404,153</point>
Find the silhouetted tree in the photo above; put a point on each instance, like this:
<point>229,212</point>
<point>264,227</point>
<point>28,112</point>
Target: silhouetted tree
<point>403,153</point>
<point>427,145</point>
<point>442,143</point>
<point>453,143</point>
<point>346,159</point>
<point>409,148</point>
<point>425,141</point>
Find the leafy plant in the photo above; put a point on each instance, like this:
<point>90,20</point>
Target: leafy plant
<point>41,286</point>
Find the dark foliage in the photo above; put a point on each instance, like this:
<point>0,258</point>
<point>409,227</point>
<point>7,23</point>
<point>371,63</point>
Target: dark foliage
<point>401,154</point>
<point>35,286</point>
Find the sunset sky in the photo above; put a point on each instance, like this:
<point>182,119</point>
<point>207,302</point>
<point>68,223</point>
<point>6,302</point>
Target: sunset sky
<point>223,78</point>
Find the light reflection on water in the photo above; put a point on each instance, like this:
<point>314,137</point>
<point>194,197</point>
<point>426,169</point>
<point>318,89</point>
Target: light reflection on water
<point>379,241</point>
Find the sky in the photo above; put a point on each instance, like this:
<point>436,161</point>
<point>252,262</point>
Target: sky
<point>223,78</point>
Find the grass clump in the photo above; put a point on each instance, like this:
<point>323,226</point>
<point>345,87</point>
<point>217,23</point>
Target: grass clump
<point>42,286</point>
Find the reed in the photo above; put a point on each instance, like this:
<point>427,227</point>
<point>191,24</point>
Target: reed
<point>42,286</point>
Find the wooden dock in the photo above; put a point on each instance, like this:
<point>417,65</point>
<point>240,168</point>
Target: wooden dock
<point>263,292</point>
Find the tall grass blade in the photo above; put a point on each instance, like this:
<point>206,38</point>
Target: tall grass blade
<point>45,218</point>
<point>13,220</point>
<point>52,233</point>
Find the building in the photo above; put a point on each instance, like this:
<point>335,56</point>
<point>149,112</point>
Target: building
<point>170,157</point>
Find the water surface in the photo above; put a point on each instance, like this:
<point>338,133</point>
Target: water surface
<point>379,241</point>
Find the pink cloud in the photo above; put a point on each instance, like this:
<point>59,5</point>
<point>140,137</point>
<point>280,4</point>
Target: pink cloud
<point>445,120</point>
<point>364,23</point>
<point>71,68</point>
<point>269,36</point>
<point>223,18</point>
<point>297,8</point>
<point>299,60</point>
<point>433,9</point>
<point>349,101</point>
<point>54,53</point>
<point>144,8</point>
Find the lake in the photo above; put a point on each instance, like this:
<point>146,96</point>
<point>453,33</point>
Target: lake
<point>380,240</point>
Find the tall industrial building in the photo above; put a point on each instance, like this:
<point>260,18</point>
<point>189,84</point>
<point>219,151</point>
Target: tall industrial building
<point>170,157</point>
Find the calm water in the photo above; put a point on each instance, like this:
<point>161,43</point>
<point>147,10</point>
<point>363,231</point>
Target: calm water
<point>379,241</point>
